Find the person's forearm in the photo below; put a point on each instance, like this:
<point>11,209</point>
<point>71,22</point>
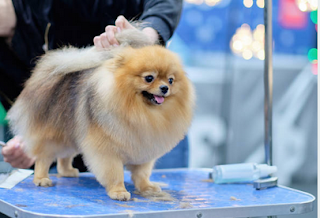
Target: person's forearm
<point>163,16</point>
<point>7,18</point>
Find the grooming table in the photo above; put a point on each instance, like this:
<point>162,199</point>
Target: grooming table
<point>194,196</point>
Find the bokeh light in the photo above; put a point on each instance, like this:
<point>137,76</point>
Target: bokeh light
<point>260,3</point>
<point>315,68</point>
<point>307,5</point>
<point>248,3</point>
<point>313,55</point>
<point>314,16</point>
<point>212,2</point>
<point>247,43</point>
<point>261,54</point>
<point>247,54</point>
<point>241,41</point>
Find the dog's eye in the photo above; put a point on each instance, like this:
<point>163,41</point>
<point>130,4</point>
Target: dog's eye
<point>149,78</point>
<point>170,81</point>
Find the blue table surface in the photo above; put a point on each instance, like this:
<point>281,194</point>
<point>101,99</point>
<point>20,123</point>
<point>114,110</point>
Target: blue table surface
<point>85,196</point>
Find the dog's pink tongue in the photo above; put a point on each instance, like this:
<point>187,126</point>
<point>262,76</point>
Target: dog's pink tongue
<point>159,99</point>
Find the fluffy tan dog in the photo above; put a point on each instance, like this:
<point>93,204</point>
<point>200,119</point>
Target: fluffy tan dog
<point>124,106</point>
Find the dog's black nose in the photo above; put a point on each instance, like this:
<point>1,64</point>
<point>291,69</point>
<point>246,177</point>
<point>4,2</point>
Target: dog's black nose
<point>164,89</point>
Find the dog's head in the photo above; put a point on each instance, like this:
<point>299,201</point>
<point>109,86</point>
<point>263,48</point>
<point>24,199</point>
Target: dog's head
<point>153,74</point>
<point>146,89</point>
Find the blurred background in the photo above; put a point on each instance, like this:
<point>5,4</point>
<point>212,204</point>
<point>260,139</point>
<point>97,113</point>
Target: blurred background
<point>221,43</point>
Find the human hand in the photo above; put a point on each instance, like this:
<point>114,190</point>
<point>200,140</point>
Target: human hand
<point>7,18</point>
<point>13,154</point>
<point>107,39</point>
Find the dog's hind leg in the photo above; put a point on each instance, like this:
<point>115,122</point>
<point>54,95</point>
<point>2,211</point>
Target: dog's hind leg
<point>65,168</point>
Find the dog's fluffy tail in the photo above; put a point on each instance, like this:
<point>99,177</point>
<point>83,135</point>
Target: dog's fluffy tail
<point>70,59</point>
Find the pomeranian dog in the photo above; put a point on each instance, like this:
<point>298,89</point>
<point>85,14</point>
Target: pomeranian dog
<point>124,106</point>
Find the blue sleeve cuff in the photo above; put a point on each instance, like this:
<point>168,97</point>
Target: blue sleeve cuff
<point>160,26</point>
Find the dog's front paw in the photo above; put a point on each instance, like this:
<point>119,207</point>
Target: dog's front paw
<point>69,173</point>
<point>119,195</point>
<point>44,182</point>
<point>150,188</point>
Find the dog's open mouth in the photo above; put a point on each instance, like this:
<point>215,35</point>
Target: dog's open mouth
<point>156,99</point>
